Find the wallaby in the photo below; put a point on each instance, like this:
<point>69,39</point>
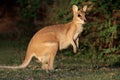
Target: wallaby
<point>47,41</point>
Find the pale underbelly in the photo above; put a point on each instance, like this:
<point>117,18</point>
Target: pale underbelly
<point>64,44</point>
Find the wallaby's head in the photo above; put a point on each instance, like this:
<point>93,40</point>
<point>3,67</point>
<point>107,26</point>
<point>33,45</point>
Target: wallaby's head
<point>79,15</point>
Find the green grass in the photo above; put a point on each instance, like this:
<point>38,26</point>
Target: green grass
<point>67,66</point>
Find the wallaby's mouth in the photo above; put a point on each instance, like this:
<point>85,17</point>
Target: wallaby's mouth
<point>85,20</point>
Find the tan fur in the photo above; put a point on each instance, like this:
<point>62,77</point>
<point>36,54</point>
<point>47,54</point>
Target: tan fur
<point>46,42</point>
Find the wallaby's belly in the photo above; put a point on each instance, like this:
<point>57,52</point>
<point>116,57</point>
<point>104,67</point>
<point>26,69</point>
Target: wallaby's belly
<point>63,43</point>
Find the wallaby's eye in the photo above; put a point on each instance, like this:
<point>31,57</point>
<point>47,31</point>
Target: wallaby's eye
<point>79,15</point>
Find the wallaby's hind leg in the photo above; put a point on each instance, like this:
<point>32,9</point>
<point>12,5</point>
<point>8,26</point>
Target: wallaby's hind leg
<point>44,60</point>
<point>53,52</point>
<point>48,52</point>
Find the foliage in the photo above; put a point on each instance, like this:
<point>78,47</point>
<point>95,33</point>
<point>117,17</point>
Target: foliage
<point>29,8</point>
<point>106,5</point>
<point>101,42</point>
<point>98,42</point>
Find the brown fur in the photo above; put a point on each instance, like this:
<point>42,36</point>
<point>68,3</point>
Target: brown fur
<point>46,42</point>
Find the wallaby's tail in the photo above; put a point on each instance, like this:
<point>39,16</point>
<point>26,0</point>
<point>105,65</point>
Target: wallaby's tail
<point>23,65</point>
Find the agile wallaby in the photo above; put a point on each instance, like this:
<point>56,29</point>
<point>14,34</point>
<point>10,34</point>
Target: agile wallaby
<point>46,42</point>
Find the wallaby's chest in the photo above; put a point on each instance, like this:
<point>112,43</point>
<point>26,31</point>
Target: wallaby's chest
<point>63,41</point>
<point>78,31</point>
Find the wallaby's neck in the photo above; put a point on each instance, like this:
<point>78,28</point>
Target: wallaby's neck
<point>74,22</point>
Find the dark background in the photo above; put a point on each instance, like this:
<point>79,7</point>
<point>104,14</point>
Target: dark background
<point>98,56</point>
<point>20,19</point>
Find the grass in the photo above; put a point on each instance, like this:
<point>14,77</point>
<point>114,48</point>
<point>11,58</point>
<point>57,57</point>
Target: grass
<point>67,66</point>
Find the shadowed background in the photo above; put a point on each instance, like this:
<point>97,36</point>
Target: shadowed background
<point>99,51</point>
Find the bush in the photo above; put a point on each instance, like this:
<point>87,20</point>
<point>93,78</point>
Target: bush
<point>29,8</point>
<point>99,41</point>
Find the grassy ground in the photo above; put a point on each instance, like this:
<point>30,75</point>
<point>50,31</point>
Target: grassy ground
<point>67,66</point>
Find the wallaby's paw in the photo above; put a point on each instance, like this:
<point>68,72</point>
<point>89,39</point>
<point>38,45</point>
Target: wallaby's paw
<point>75,51</point>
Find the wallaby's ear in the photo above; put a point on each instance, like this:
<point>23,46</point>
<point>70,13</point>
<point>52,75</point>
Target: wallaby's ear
<point>85,8</point>
<point>75,8</point>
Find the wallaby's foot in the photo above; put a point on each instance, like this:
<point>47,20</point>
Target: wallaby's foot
<point>75,50</point>
<point>44,66</point>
